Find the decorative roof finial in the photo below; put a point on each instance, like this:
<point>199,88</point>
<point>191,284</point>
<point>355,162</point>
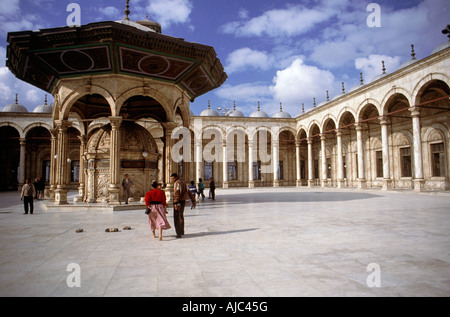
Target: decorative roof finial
<point>234,105</point>
<point>127,11</point>
<point>281,107</point>
<point>343,88</point>
<point>361,78</point>
<point>259,107</point>
<point>314,103</point>
<point>413,53</point>
<point>17,99</point>
<point>209,104</point>
<point>384,68</point>
<point>328,96</point>
<point>303,108</point>
<point>447,31</point>
<point>45,102</point>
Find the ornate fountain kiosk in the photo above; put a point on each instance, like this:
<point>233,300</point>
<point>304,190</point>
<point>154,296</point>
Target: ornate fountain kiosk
<point>124,86</point>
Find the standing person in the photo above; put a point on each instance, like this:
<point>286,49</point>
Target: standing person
<point>27,195</point>
<point>193,191</point>
<point>212,189</point>
<point>180,193</point>
<point>201,188</point>
<point>127,184</point>
<point>155,200</point>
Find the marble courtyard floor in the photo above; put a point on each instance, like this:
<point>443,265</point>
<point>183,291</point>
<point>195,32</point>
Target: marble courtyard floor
<point>261,242</point>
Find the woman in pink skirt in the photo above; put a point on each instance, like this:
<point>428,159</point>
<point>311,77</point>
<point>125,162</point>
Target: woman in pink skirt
<point>155,200</point>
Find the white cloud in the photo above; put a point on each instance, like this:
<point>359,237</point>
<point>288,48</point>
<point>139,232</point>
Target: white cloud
<point>29,96</point>
<point>301,83</point>
<point>168,12</point>
<point>293,20</point>
<point>111,12</point>
<point>372,65</point>
<point>245,58</point>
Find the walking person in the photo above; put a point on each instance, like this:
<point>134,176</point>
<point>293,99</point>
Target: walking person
<point>193,190</point>
<point>212,189</point>
<point>180,194</point>
<point>27,195</point>
<point>155,200</point>
<point>201,188</point>
<point>127,184</point>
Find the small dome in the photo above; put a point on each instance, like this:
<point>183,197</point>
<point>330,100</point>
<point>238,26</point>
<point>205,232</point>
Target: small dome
<point>209,112</point>
<point>45,108</point>
<point>135,25</point>
<point>282,114</point>
<point>441,47</point>
<point>259,114</point>
<point>234,113</point>
<point>356,87</point>
<point>378,77</point>
<point>155,26</point>
<point>14,107</point>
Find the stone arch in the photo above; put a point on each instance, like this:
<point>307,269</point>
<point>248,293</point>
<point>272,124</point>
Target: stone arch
<point>364,105</point>
<point>392,95</point>
<point>425,81</point>
<point>18,128</point>
<point>80,92</point>
<point>146,92</point>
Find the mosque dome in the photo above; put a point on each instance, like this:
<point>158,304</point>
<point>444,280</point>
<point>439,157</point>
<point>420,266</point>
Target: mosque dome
<point>259,113</point>
<point>441,47</point>
<point>209,112</point>
<point>383,74</point>
<point>152,25</point>
<point>45,108</point>
<point>282,114</point>
<point>14,107</point>
<point>234,113</point>
<point>411,61</point>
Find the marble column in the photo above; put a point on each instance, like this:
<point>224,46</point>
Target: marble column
<point>275,161</point>
<point>385,144</point>
<point>82,177</point>
<point>310,163</point>
<point>170,166</point>
<point>23,145</point>
<point>198,160</point>
<point>225,163</point>
<point>419,181</point>
<point>362,183</point>
<point>251,181</point>
<point>340,161</point>
<point>114,161</point>
<point>323,152</point>
<point>53,162</point>
<point>61,162</point>
<point>297,163</point>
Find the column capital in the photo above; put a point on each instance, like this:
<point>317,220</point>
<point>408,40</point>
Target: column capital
<point>358,126</point>
<point>383,121</point>
<point>62,124</point>
<point>115,122</point>
<point>415,112</point>
<point>169,126</point>
<point>339,132</point>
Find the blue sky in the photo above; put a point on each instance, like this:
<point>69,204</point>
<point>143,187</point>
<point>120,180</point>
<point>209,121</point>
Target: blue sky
<point>273,51</point>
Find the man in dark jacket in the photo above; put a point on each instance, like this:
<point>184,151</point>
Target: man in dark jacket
<point>180,194</point>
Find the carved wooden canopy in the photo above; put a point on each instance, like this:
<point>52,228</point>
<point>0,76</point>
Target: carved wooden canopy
<point>42,58</point>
